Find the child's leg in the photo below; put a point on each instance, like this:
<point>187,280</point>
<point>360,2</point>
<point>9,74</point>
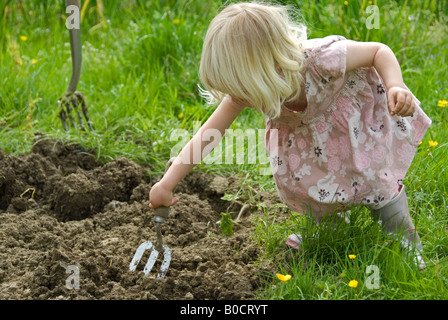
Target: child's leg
<point>395,217</point>
<point>295,240</point>
<point>334,219</point>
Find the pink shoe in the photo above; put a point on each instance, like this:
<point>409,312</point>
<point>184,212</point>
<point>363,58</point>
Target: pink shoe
<point>294,241</point>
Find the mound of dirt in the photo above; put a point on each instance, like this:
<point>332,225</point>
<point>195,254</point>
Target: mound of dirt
<point>69,227</point>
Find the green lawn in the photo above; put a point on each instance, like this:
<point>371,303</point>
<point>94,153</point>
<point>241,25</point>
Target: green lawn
<point>140,80</point>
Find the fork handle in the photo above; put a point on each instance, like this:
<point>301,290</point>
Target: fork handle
<point>162,212</point>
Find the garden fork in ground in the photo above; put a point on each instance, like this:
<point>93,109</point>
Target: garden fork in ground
<point>161,214</point>
<point>73,100</point>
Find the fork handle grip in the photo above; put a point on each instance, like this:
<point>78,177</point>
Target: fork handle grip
<point>162,212</point>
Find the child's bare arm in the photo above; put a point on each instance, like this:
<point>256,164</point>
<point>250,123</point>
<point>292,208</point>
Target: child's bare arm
<point>380,56</point>
<point>193,153</point>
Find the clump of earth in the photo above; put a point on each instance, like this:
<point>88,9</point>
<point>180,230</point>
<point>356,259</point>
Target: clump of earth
<point>70,225</point>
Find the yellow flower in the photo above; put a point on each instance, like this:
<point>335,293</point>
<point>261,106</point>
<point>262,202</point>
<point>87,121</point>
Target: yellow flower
<point>176,21</point>
<point>283,278</point>
<point>353,284</point>
<point>442,103</point>
<point>346,3</point>
<point>432,143</point>
<point>23,38</point>
<point>352,256</point>
<point>34,61</point>
<point>181,115</point>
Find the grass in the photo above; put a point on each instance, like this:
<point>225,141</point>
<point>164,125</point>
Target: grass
<point>140,79</point>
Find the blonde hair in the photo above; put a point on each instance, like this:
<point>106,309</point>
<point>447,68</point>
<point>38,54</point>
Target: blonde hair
<point>253,53</point>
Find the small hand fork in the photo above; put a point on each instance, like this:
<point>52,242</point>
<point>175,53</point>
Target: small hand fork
<point>161,214</point>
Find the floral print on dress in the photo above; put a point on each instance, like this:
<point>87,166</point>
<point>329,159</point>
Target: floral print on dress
<point>345,149</point>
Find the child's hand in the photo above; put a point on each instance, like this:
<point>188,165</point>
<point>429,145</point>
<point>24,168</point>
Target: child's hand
<point>400,102</point>
<point>159,196</point>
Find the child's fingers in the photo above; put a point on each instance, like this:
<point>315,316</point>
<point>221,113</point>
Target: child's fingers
<point>391,103</point>
<point>407,109</point>
<point>175,200</point>
<point>401,100</point>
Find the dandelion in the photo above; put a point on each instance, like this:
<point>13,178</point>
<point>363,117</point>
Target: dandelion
<point>33,61</point>
<point>442,103</point>
<point>283,278</point>
<point>432,143</point>
<point>353,283</point>
<point>181,115</point>
<point>176,21</point>
<point>23,38</point>
<point>346,3</point>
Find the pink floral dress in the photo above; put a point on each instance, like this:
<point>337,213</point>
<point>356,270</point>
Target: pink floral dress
<point>345,149</point>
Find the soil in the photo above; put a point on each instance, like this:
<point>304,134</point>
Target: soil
<point>70,225</point>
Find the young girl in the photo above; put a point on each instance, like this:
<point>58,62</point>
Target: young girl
<point>342,127</point>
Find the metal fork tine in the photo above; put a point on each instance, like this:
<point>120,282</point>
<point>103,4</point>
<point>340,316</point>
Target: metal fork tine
<point>139,254</point>
<point>165,263</point>
<point>152,259</point>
